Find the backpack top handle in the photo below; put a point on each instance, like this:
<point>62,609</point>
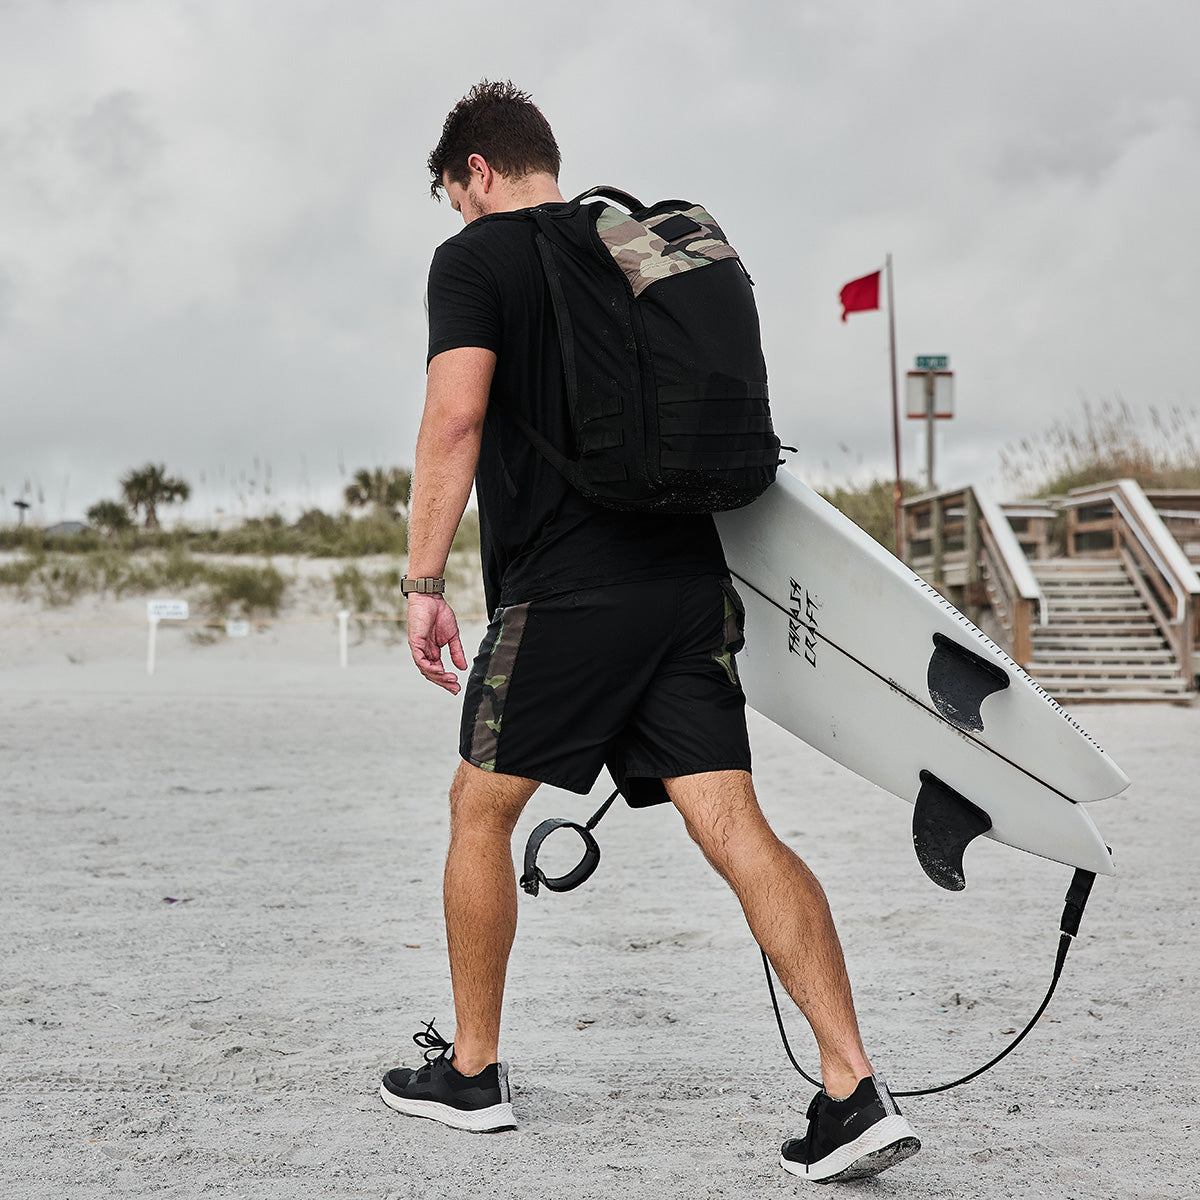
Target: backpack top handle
<point>632,203</point>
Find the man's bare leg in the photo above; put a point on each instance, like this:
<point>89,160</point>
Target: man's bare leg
<point>480,897</point>
<point>785,908</point>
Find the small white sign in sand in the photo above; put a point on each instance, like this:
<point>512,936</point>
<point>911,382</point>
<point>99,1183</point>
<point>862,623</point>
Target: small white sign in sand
<point>161,610</point>
<point>167,610</point>
<point>237,628</point>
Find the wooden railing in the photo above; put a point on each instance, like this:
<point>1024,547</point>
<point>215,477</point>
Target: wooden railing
<point>1117,520</point>
<point>1034,524</point>
<point>961,542</point>
<point>1180,513</point>
<point>935,527</point>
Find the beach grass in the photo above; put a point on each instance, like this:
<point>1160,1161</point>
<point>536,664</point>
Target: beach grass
<point>1159,448</point>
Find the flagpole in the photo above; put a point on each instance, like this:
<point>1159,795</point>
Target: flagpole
<point>898,487</point>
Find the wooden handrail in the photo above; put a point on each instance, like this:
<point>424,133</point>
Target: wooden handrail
<point>960,537</point>
<point>966,530</point>
<point>1164,577</point>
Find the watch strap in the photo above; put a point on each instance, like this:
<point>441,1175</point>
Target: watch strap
<point>424,586</point>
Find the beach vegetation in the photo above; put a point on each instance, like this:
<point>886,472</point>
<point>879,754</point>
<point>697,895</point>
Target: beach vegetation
<point>225,589</point>
<point>870,506</point>
<point>17,572</point>
<point>110,516</point>
<point>352,589</point>
<point>242,591</point>
<point>1159,448</point>
<point>383,489</point>
<point>374,594</point>
<point>315,534</point>
<point>145,488</point>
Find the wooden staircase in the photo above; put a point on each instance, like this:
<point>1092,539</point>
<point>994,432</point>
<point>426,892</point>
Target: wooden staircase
<point>1101,641</point>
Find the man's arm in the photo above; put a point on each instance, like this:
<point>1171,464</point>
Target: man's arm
<point>456,399</point>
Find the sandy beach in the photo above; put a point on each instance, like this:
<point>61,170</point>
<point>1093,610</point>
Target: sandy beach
<point>221,923</point>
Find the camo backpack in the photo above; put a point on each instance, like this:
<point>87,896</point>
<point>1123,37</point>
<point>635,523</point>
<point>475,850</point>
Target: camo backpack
<point>663,363</point>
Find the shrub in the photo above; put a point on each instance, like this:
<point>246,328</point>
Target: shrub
<point>374,533</point>
<point>110,515</point>
<point>62,580</point>
<point>243,591</point>
<point>871,507</point>
<point>378,592</point>
<point>352,590</point>
<point>19,572</point>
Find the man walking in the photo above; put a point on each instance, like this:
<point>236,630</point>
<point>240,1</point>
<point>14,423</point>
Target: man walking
<point>610,642</point>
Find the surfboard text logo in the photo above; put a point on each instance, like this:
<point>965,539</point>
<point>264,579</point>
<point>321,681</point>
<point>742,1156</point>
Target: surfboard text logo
<point>802,623</point>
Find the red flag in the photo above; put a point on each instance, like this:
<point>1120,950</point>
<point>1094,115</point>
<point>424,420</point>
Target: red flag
<point>860,295</point>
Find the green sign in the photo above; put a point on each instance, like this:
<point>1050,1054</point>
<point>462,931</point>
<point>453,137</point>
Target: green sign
<point>933,362</point>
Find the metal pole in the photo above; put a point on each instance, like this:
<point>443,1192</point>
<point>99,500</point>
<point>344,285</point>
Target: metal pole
<point>930,380</point>
<point>898,488</point>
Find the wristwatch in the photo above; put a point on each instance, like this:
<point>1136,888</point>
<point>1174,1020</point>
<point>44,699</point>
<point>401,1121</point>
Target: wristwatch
<point>424,587</point>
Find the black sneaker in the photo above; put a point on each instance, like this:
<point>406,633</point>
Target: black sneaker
<point>852,1138</point>
<point>480,1103</point>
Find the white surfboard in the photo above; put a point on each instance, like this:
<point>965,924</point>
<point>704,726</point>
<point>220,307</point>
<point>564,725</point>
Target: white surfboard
<point>853,653</point>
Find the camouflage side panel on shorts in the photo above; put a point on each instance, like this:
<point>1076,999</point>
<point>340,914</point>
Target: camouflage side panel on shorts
<point>733,636</point>
<point>645,258</point>
<point>509,626</point>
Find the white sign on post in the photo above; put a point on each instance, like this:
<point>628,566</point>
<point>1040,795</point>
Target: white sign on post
<point>917,397</point>
<point>929,396</point>
<point>167,610</point>
<point>161,610</point>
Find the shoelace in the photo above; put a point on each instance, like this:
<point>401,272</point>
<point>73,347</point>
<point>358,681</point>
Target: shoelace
<point>433,1044</point>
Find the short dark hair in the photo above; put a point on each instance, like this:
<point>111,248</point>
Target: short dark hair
<point>503,124</point>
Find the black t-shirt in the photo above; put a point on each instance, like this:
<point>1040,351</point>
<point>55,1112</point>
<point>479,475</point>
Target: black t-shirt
<point>539,536</point>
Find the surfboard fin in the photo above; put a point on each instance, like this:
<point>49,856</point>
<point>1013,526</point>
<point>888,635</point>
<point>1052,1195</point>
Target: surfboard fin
<point>961,680</point>
<point>945,823</point>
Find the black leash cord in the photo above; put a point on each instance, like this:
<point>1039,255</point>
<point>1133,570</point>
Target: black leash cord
<point>1076,901</point>
<point>1077,897</point>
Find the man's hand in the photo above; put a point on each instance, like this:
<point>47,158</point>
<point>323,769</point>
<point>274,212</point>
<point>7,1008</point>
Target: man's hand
<point>432,625</point>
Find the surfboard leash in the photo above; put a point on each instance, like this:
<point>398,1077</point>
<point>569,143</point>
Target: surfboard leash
<point>1076,901</point>
<point>534,877</point>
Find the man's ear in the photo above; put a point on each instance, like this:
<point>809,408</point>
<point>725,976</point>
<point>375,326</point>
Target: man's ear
<point>477,164</point>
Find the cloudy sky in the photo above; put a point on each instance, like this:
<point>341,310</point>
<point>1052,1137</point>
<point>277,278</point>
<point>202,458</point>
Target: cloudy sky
<point>215,223</point>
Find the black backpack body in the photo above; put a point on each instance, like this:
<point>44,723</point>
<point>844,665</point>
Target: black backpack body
<point>664,371</point>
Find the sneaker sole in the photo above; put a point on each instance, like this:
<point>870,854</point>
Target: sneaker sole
<point>480,1120</point>
<point>885,1144</point>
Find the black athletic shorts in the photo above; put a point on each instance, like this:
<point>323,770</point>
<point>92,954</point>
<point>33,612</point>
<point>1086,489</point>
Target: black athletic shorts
<point>641,676</point>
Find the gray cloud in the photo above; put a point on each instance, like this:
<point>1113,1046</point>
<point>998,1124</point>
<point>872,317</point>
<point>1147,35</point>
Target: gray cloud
<point>113,139</point>
<point>215,227</point>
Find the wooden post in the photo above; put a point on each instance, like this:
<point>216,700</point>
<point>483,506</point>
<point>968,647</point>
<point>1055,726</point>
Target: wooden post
<point>1187,642</point>
<point>937,543</point>
<point>971,549</point>
<point>1022,631</point>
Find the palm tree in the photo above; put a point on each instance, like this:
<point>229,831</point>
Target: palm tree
<point>148,487</point>
<point>110,515</point>
<point>384,488</point>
